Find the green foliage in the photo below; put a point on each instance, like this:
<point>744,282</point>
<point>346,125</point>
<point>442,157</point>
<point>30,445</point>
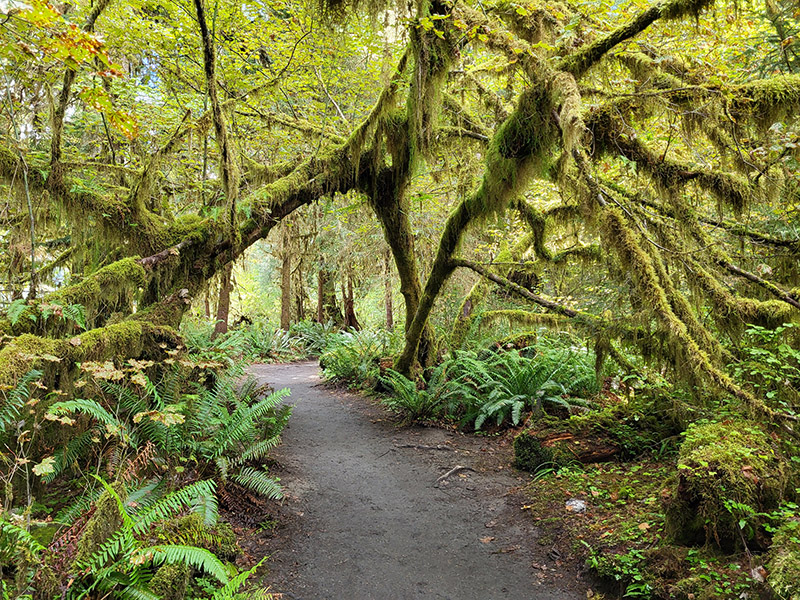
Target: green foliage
<point>353,356</point>
<point>313,336</point>
<point>15,399</point>
<point>175,423</point>
<point>770,365</point>
<point>412,404</point>
<point>500,387</point>
<point>122,561</point>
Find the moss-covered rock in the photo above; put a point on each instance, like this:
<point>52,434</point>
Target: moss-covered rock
<point>170,581</point>
<point>728,472</point>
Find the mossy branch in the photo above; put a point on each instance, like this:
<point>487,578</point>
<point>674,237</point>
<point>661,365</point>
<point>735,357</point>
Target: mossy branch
<point>580,62</point>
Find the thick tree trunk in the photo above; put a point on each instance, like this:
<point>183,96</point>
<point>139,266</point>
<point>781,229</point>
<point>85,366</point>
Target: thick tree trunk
<point>224,304</point>
<point>388,291</point>
<point>286,281</point>
<point>392,212</point>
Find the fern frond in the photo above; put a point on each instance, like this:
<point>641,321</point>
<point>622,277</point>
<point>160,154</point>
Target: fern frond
<point>126,398</point>
<point>230,589</point>
<point>257,450</point>
<point>20,536</point>
<point>173,503</point>
<point>68,514</point>
<point>17,398</point>
<point>75,313</point>
<point>206,506</point>
<point>86,407</point>
<point>243,419</point>
<point>67,455</point>
<point>258,481</point>
<point>198,558</point>
<point>136,593</point>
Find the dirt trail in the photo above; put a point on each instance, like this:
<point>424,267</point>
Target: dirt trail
<point>365,519</point>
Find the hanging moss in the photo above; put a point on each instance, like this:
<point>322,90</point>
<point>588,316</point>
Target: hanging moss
<point>768,100</point>
<point>727,471</point>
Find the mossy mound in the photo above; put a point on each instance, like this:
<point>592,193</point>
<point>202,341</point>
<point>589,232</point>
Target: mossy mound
<point>728,472</point>
<point>784,567</point>
<point>190,530</point>
<point>170,581</point>
<point>104,523</point>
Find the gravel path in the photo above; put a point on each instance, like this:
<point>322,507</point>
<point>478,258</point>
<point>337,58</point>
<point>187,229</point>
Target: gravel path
<point>368,517</point>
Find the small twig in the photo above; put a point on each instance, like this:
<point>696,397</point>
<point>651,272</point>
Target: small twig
<point>451,472</point>
<point>423,446</point>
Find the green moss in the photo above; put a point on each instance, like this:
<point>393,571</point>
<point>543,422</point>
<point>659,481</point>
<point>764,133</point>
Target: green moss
<point>22,354</point>
<point>105,521</point>
<point>110,289</point>
<point>783,569</point>
<point>190,530</point>
<point>768,100</point>
<point>170,581</point>
<point>727,471</point>
<point>121,339</point>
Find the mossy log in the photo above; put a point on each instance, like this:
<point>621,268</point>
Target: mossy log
<point>533,450</point>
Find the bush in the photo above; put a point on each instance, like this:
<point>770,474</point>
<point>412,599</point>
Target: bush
<point>312,337</point>
<point>354,356</point>
<point>501,387</point>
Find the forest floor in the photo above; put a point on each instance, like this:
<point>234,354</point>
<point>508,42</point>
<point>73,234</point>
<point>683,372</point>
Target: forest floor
<point>376,511</point>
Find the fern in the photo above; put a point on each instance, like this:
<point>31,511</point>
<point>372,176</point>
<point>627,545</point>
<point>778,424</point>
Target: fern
<point>15,310</point>
<point>86,407</point>
<point>241,422</point>
<point>17,536</point>
<point>17,398</point>
<point>259,482</point>
<point>195,496</point>
<point>230,589</point>
<point>135,593</point>
<point>257,450</point>
<point>67,455</point>
<point>75,313</point>
<point>199,558</point>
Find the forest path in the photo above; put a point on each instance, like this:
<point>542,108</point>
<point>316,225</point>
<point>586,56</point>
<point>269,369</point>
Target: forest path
<point>365,519</point>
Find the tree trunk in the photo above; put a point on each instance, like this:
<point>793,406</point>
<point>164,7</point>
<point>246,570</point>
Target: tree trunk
<point>392,212</point>
<point>350,319</point>
<point>286,282</point>
<point>327,308</point>
<point>388,291</point>
<point>224,304</point>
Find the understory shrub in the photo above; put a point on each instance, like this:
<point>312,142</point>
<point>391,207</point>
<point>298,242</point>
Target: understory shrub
<point>354,356</point>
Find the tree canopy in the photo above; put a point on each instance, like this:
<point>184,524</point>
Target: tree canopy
<point>645,151</point>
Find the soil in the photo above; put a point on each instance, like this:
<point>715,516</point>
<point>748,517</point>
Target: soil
<point>376,511</point>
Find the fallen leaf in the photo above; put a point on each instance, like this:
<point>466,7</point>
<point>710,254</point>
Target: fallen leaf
<point>487,539</point>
